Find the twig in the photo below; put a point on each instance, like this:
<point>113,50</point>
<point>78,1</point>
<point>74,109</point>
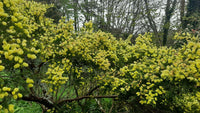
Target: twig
<point>100,106</point>
<point>111,106</point>
<point>90,92</point>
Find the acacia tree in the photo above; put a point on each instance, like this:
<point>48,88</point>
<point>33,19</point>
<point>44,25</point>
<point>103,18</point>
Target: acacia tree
<point>63,70</point>
<point>47,64</point>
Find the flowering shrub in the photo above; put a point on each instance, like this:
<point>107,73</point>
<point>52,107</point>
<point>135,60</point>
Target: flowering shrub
<point>55,66</point>
<point>164,77</point>
<point>49,63</point>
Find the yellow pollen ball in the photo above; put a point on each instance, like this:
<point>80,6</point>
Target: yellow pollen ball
<point>11,108</point>
<point>2,68</point>
<point>29,81</point>
<point>31,56</point>
<point>16,65</point>
<point>16,89</point>
<point>15,97</point>
<point>19,95</point>
<point>4,23</point>
<point>30,85</point>
<point>25,64</point>
<point>6,89</point>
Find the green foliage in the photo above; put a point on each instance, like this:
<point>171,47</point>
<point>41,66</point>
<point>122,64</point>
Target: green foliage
<point>192,16</point>
<point>27,107</point>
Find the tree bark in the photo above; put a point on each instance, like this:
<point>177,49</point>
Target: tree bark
<point>168,14</point>
<point>182,12</point>
<point>75,2</point>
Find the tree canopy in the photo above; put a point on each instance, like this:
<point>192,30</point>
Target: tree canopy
<point>64,70</point>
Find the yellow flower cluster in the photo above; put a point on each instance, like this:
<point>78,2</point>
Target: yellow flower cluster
<point>10,109</point>
<point>31,56</point>
<point>2,68</point>
<point>5,93</point>
<point>6,90</point>
<point>55,78</point>
<point>2,12</point>
<point>23,16</point>
<point>22,38</point>
<point>51,110</point>
<point>13,52</point>
<point>15,94</point>
<point>188,102</point>
<point>30,82</point>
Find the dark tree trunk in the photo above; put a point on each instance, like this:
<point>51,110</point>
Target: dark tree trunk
<point>75,2</point>
<point>182,12</point>
<point>168,14</point>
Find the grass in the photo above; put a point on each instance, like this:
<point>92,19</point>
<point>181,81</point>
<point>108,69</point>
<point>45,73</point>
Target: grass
<point>27,107</point>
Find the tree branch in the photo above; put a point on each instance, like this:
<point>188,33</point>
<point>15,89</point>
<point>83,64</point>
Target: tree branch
<point>84,97</point>
<point>90,92</point>
<point>47,103</point>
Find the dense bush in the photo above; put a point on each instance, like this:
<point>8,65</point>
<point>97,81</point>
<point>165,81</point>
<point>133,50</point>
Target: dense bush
<point>67,71</point>
<point>165,78</point>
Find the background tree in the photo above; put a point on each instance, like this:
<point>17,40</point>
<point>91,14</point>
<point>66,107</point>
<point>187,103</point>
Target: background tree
<point>110,16</point>
<point>54,12</point>
<point>122,18</point>
<point>76,22</point>
<point>170,7</point>
<point>182,12</point>
<point>193,9</point>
